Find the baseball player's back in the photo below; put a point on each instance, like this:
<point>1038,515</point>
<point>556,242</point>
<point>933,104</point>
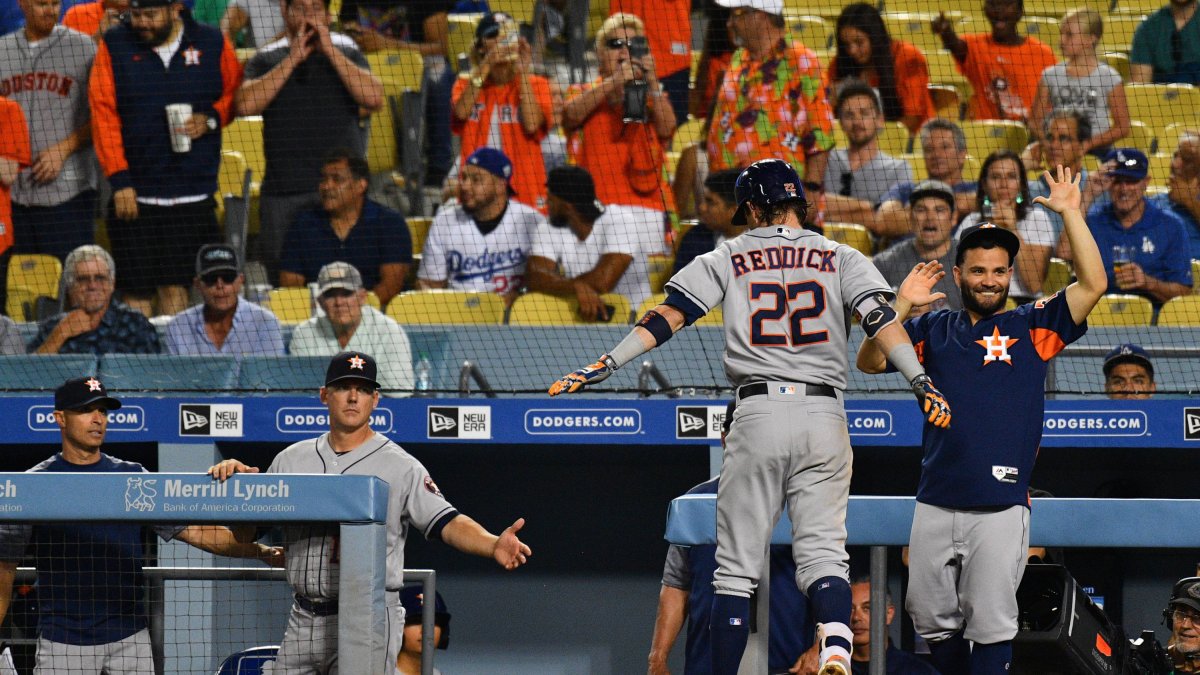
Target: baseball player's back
<point>786,294</point>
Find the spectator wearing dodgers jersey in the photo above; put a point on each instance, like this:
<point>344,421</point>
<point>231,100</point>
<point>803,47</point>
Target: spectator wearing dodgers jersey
<point>482,242</point>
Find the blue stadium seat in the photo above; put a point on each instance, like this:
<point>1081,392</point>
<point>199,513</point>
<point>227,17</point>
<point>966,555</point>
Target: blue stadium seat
<point>36,371</point>
<point>168,372</point>
<point>283,374</point>
<point>249,661</point>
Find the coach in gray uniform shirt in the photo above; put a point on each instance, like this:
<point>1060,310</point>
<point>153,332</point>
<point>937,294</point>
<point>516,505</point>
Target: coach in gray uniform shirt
<point>44,68</point>
<point>351,393</point>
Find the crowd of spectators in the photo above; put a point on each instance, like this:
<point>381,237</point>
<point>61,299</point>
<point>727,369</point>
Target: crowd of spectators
<point>113,111</point>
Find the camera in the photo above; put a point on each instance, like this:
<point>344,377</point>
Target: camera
<point>637,88</point>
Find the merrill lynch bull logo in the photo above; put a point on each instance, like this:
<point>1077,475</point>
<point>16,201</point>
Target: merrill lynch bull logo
<point>140,494</point>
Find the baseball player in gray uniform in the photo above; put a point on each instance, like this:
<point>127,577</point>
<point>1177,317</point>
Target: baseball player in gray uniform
<point>351,447</point>
<point>787,295</point>
<point>44,67</point>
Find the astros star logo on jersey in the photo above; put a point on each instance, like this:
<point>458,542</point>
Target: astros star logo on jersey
<point>996,347</point>
<point>191,56</point>
<point>356,362</point>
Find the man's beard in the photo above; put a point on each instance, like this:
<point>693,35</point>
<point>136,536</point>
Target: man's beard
<point>157,36</point>
<point>973,305</point>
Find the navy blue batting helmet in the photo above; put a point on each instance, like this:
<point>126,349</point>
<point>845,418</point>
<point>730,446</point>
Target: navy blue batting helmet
<point>763,183</point>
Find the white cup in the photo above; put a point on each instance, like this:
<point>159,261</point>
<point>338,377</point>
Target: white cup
<point>178,115</point>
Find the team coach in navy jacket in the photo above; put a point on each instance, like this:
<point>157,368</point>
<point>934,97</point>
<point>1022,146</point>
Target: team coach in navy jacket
<point>163,208</point>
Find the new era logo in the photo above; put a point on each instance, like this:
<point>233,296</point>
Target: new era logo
<point>443,422</point>
<point>216,419</point>
<point>439,422</point>
<point>689,423</point>
<point>699,421</point>
<point>469,422</point>
<point>193,420</point>
<point>1191,424</point>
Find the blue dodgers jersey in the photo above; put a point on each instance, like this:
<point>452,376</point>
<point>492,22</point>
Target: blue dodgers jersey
<point>993,374</point>
<point>791,624</point>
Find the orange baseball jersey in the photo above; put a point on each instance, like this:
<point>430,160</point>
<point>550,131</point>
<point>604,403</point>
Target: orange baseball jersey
<point>496,115</point>
<point>668,31</point>
<point>85,18</point>
<point>14,145</point>
<point>1004,77</point>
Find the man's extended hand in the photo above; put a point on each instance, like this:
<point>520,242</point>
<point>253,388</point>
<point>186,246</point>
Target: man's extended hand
<point>510,551</point>
<point>932,402</point>
<point>588,375</point>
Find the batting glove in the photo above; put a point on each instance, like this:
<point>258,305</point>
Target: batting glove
<point>588,375</point>
<point>932,402</point>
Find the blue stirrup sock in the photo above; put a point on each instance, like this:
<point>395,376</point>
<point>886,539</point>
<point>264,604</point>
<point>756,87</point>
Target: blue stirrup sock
<point>991,659</point>
<point>729,629</point>
<point>830,599</point>
<point>952,655</point>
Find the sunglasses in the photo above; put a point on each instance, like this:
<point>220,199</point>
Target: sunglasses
<point>225,276</point>
<point>616,43</point>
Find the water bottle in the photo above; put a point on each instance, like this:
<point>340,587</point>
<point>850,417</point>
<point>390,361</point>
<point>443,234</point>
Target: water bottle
<point>424,376</point>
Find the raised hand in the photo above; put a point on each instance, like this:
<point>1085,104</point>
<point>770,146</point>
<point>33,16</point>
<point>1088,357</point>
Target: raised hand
<point>917,287</point>
<point>1064,191</point>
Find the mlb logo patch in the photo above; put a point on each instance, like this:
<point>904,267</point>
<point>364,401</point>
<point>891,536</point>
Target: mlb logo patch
<point>735,621</point>
<point>787,389</point>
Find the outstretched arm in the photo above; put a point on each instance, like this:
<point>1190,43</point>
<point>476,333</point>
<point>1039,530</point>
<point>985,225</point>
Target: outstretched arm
<point>221,540</point>
<point>468,536</point>
<point>655,328</point>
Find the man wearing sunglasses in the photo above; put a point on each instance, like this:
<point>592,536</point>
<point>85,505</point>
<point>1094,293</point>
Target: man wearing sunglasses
<point>224,323</point>
<point>1183,618</point>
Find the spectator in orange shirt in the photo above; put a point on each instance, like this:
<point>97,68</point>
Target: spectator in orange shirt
<point>14,156</point>
<point>501,93</point>
<point>756,118</point>
<point>627,156</point>
<point>93,18</point>
<point>895,68</point>
<point>668,25</point>
<point>1003,66</point>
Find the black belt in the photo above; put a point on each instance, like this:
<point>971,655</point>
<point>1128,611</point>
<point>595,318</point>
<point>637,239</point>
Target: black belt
<point>317,607</point>
<point>760,388</point>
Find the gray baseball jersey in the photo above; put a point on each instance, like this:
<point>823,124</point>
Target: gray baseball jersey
<point>49,80</point>
<point>786,295</point>
<point>413,497</point>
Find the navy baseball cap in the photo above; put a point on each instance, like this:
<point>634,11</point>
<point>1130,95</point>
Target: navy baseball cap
<point>489,25</point>
<point>494,162</point>
<point>1129,163</point>
<point>1186,593</point>
<point>574,185</point>
<point>80,392</point>
<point>1128,353</point>
<point>413,600</point>
<point>352,366</point>
<point>975,235</point>
<point>216,258</point>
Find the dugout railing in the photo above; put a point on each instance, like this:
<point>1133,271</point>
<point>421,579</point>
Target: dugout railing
<point>880,522</point>
<point>358,504</point>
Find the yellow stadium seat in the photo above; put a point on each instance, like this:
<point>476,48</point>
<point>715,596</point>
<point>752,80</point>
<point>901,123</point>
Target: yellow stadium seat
<point>1058,275</point>
<point>813,31</point>
<point>1181,311</point>
<point>400,69</point>
<point>382,152</point>
<point>946,101</point>
<point>986,136</point>
<point>373,300</point>
<point>661,267</point>
<point>943,71</point>
<point>1141,136</point>
<point>445,306</point>
<point>826,10</point>
<point>1044,28</point>
<point>1196,276</point>
<point>19,304</point>
<point>37,273</point>
<point>850,234</point>
<point>971,167</point>
<point>1121,310</point>
<point>418,228</point>
<point>1119,29</point>
<point>244,136</point>
<point>231,173</point>
<point>540,309</point>
<point>915,27</point>
<point>521,10</point>
<point>1168,141</point>
<point>1160,170</point>
<point>1118,61</point>
<point>597,13</point>
<point>713,318</point>
<point>1159,105</point>
<point>1136,7</point>
<point>290,305</point>
<point>687,134</point>
<point>460,36</point>
<point>1056,8</point>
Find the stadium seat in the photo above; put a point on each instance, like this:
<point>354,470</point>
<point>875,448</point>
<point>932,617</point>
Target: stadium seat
<point>1181,311</point>
<point>1136,7</point>
<point>1058,275</point>
<point>382,150</point>
<point>234,181</point>
<point>1169,140</point>
<point>460,36</point>
<point>661,268</point>
<point>1159,105</point>
<point>249,661</point>
<point>445,306</point>
<point>124,372</point>
<point>813,31</point>
<point>418,229</point>
<point>1196,276</point>
<point>687,134</point>
<point>521,10</point>
<point>915,27</point>
<point>986,136</point>
<point>1054,9</point>
<point>826,10</point>
<point>1118,31</point>
<point>1160,170</point>
<point>946,102</point>
<point>39,371</point>
<point>540,309</point>
<point>1121,310</point>
<point>943,71</point>
<point>38,273</point>
<point>399,69</point>
<point>282,373</point>
<point>373,301</point>
<point>20,303</point>
<point>1044,28</point>
<point>244,135</point>
<point>713,318</point>
<point>850,234</point>
<point>1141,136</point>
<point>290,305</point>
<point>1118,61</point>
<point>597,13</point>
